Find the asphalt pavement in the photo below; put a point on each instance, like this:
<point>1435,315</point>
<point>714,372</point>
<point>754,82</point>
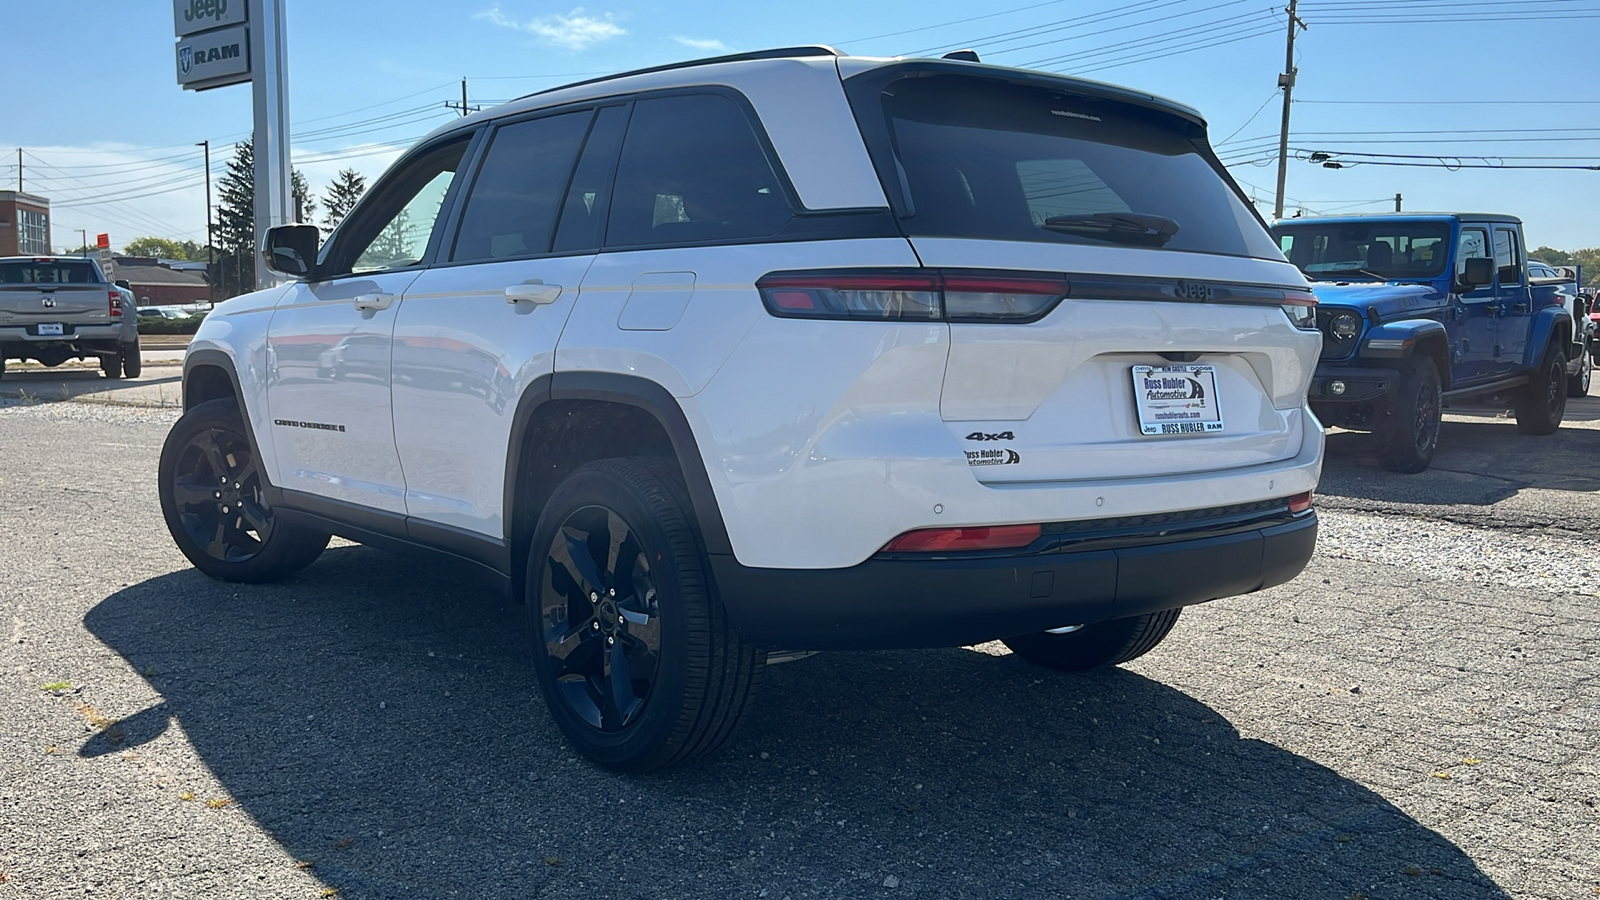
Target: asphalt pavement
<point>1415,716</point>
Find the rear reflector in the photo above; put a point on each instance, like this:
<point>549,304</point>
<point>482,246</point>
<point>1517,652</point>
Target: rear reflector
<point>1299,503</point>
<point>933,540</point>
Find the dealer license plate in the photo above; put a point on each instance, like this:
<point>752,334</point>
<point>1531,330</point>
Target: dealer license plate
<point>50,328</point>
<point>1178,399</point>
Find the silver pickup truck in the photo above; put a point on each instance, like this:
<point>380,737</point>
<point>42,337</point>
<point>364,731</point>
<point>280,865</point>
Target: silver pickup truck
<point>56,308</point>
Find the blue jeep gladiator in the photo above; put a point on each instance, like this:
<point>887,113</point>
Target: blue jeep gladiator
<point>1419,311</point>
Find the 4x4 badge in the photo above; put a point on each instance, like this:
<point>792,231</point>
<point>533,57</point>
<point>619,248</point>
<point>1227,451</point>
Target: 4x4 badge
<point>983,436</point>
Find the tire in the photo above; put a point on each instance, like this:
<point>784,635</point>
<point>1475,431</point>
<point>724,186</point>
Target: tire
<point>111,366</point>
<point>1540,406</point>
<point>617,580</point>
<point>1578,385</point>
<point>212,499</point>
<point>1101,644</point>
<point>132,361</point>
<point>2,367</point>
<point>1408,428</point>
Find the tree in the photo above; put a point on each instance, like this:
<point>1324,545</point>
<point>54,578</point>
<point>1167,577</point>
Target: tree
<point>234,271</point>
<point>165,248</point>
<point>341,197</point>
<point>304,202</point>
<point>1588,259</point>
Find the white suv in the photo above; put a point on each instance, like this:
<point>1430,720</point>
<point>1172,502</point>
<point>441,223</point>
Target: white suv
<point>776,352</point>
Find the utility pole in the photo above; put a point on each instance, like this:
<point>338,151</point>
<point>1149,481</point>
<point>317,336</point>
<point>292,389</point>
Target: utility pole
<point>211,250</point>
<point>463,107</point>
<point>1396,202</point>
<point>19,170</point>
<point>83,241</point>
<point>1286,82</point>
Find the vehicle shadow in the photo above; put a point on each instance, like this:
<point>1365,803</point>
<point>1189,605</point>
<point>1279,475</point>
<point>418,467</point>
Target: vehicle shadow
<point>164,383</point>
<point>1480,461</point>
<point>376,718</point>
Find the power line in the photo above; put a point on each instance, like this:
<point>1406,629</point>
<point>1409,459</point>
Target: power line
<point>1024,34</point>
<point>1003,12</point>
<point>1140,43</point>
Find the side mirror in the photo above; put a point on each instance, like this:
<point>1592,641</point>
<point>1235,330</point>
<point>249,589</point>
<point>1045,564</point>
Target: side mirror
<point>292,249</point>
<point>1479,272</point>
<point>123,283</point>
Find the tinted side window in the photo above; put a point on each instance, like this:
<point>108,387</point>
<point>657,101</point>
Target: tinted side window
<point>692,170</point>
<point>1507,257</point>
<point>392,227</point>
<point>1474,244</point>
<point>511,211</point>
<point>583,216</point>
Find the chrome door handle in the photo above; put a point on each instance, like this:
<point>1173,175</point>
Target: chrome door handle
<point>374,301</point>
<point>533,291</point>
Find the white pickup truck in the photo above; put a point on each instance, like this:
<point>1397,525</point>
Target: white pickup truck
<point>56,308</point>
<point>1565,281</point>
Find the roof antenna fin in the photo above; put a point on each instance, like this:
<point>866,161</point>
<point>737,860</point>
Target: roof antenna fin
<point>963,55</point>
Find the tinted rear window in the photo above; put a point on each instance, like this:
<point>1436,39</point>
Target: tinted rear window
<point>980,158</point>
<point>49,272</point>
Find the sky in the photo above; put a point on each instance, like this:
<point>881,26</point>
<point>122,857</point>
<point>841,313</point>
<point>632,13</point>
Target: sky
<point>1459,90</point>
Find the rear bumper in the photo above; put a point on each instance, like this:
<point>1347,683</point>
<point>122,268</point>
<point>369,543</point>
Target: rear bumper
<point>1078,577</point>
<point>1362,384</point>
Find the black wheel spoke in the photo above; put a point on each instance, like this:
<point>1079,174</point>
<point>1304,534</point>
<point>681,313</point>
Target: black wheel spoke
<point>258,519</point>
<point>601,621</point>
<point>206,443</point>
<point>190,492</point>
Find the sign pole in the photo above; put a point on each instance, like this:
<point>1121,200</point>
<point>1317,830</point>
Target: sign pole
<point>270,82</point>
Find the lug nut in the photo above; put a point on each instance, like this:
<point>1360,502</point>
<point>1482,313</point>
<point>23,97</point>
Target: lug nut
<point>236,486</point>
<point>612,592</point>
<point>610,640</point>
<point>596,626</point>
<point>217,494</point>
<point>224,509</point>
<point>593,597</point>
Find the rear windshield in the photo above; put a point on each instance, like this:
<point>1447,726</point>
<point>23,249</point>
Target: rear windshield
<point>980,158</point>
<point>53,271</point>
<point>1385,250</point>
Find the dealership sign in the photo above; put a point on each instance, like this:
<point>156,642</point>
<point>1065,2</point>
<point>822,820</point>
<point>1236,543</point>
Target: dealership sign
<point>213,43</point>
<point>191,16</point>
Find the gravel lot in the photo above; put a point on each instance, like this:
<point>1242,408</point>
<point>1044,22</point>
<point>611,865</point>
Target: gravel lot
<point>1416,716</point>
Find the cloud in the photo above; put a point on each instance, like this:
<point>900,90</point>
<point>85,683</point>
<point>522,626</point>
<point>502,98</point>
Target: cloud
<point>576,30</point>
<point>707,44</point>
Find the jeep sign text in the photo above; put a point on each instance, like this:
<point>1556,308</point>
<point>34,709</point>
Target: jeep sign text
<point>191,16</point>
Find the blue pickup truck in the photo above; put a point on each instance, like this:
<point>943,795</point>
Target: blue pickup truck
<point>1419,311</point>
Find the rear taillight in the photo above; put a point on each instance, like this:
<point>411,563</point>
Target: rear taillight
<point>918,295</point>
<point>115,300</point>
<point>1301,308</point>
<point>992,537</point>
<point>1299,503</point>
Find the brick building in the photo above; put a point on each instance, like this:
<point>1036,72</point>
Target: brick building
<point>24,224</point>
<point>155,283</point>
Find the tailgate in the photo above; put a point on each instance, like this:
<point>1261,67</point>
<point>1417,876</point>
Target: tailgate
<point>71,304</point>
<point>1057,399</point>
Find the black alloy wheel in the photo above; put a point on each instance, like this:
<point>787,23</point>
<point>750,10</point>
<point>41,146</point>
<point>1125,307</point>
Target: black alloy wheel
<point>214,501</point>
<point>1408,433</point>
<point>1540,406</point>
<point>217,491</point>
<point>637,661</point>
<point>601,617</point>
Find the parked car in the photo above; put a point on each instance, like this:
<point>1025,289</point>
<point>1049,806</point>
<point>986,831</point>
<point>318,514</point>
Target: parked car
<point>1564,281</point>
<point>785,351</point>
<point>162,312</point>
<point>56,308</point>
<point>1419,311</point>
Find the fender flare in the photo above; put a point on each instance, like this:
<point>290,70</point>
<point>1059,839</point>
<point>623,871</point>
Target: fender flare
<point>1545,323</point>
<point>1407,332</point>
<point>628,390</point>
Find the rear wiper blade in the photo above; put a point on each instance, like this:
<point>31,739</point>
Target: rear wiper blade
<point>1122,228</point>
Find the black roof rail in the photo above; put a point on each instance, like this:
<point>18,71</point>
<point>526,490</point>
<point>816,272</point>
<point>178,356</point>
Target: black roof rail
<point>777,53</point>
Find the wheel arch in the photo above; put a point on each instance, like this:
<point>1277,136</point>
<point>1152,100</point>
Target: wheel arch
<point>1435,347</point>
<point>1552,325</point>
<point>569,418</point>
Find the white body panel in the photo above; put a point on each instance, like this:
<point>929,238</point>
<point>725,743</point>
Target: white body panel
<point>237,328</point>
<point>328,394</point>
<point>463,356</point>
